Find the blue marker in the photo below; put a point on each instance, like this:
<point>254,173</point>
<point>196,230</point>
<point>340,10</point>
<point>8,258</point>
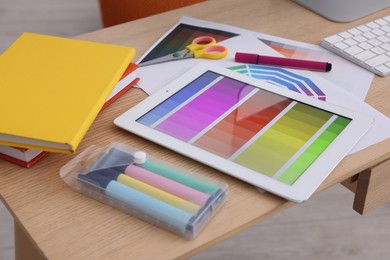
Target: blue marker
<point>143,203</point>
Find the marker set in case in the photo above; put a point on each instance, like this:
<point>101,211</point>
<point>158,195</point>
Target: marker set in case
<point>169,197</point>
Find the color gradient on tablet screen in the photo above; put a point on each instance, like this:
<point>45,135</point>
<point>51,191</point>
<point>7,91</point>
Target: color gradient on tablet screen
<point>260,130</point>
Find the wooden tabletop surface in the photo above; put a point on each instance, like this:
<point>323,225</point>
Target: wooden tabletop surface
<point>64,224</point>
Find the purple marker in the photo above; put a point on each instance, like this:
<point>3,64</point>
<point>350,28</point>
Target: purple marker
<point>283,62</point>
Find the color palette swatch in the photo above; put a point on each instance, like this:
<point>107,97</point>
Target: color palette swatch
<point>260,130</point>
<point>293,51</point>
<point>282,77</point>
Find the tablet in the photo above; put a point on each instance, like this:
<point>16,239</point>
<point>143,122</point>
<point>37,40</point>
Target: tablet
<point>278,140</point>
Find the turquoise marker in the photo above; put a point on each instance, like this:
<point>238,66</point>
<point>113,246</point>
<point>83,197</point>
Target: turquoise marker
<point>140,161</point>
<point>143,203</point>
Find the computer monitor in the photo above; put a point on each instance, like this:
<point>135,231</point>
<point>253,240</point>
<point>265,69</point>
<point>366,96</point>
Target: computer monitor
<point>344,10</point>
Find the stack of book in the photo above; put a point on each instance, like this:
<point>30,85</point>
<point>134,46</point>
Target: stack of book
<point>51,90</point>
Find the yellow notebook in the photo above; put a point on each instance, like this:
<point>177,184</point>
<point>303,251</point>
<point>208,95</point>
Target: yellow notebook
<point>52,88</point>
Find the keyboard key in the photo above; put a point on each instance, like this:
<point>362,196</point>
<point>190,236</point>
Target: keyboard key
<point>369,35</point>
<point>378,50</point>
<point>341,45</point>
<point>363,28</point>
<point>386,28</point>
<point>382,68</point>
<point>386,46</point>
<point>351,42</point>
<point>378,60</point>
<point>353,50</point>
<point>365,45</point>
<point>378,32</point>
<point>372,25</point>
<point>334,39</point>
<point>381,22</point>
<point>383,38</point>
<point>361,39</point>
<point>345,35</point>
<point>365,55</point>
<point>374,42</point>
<point>354,31</point>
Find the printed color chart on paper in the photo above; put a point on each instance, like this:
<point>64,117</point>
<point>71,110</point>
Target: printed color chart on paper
<point>297,52</point>
<point>283,78</point>
<point>268,133</point>
<point>181,36</point>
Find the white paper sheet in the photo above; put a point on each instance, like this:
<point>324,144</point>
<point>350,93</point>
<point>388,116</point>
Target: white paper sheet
<point>345,74</point>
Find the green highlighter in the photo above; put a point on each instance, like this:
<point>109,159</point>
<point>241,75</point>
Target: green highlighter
<point>140,160</point>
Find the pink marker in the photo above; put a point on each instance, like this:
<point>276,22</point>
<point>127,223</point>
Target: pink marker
<point>167,185</point>
<point>283,62</point>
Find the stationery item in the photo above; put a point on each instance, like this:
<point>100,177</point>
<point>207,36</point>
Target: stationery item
<point>166,184</point>
<point>150,206</point>
<point>169,198</point>
<point>64,85</point>
<point>28,157</point>
<point>112,177</point>
<point>180,178</point>
<point>283,62</point>
<point>273,138</point>
<point>138,167</point>
<point>201,47</point>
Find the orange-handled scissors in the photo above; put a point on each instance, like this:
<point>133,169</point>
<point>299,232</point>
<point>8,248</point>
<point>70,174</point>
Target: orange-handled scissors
<point>201,47</point>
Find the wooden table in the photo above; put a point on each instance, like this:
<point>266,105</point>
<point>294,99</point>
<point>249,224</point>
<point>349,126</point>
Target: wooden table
<point>53,221</point>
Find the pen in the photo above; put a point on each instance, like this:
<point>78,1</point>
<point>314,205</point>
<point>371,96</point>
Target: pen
<point>145,204</point>
<point>166,184</point>
<point>283,62</point>
<point>150,190</point>
<point>140,160</point>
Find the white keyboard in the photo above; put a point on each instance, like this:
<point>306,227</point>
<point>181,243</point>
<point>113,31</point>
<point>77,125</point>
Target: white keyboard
<point>367,45</point>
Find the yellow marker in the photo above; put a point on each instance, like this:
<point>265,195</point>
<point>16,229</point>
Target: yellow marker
<point>159,194</point>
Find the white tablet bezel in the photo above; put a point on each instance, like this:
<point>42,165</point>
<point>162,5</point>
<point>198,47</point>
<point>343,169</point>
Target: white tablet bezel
<point>302,188</point>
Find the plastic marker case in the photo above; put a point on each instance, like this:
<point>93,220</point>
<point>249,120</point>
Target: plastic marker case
<point>169,197</point>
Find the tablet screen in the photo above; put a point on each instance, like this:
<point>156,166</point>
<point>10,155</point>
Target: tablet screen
<point>271,134</point>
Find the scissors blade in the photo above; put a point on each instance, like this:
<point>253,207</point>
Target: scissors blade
<point>170,57</point>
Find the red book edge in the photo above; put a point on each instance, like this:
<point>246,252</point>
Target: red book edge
<point>120,93</point>
<point>23,163</point>
<point>129,69</point>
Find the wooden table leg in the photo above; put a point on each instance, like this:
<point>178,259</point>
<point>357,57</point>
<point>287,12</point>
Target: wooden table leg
<point>24,248</point>
<point>371,187</point>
